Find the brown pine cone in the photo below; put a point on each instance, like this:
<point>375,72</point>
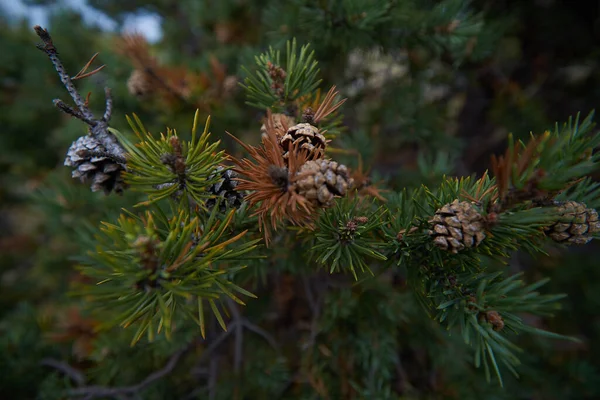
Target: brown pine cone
<point>321,180</point>
<point>307,136</point>
<point>456,226</point>
<point>140,84</point>
<point>576,226</point>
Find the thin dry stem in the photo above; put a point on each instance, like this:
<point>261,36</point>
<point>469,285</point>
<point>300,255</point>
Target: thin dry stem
<point>82,74</point>
<point>327,107</point>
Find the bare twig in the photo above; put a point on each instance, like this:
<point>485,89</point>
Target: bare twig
<point>64,107</point>
<point>98,127</point>
<point>239,337</point>
<point>48,47</point>
<point>212,378</point>
<point>261,332</point>
<point>76,376</point>
<point>309,294</point>
<point>94,392</point>
<point>315,305</point>
<point>214,345</point>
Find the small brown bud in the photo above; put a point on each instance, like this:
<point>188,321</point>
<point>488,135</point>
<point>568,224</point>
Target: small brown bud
<point>176,145</point>
<point>492,218</point>
<point>308,116</point>
<point>351,226</point>
<point>494,318</point>
<point>361,220</point>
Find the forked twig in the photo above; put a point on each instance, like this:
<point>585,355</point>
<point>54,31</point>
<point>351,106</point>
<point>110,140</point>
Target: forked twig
<point>98,128</point>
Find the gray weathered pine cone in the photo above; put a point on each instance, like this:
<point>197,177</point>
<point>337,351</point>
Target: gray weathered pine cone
<point>225,190</point>
<point>90,166</point>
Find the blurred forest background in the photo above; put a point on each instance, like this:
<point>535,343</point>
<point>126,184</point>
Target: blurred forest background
<point>437,96</point>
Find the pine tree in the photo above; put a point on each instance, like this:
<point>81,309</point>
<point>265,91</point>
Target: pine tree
<point>320,280</point>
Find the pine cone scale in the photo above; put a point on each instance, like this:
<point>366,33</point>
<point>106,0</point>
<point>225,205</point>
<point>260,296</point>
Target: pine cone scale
<point>319,181</point>
<point>457,226</point>
<point>305,136</point>
<point>225,190</point>
<point>576,224</point>
<point>103,173</point>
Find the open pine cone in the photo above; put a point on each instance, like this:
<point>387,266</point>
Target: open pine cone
<point>103,173</point>
<point>456,226</point>
<point>225,190</point>
<point>576,226</point>
<point>321,180</point>
<point>281,124</point>
<point>308,138</point>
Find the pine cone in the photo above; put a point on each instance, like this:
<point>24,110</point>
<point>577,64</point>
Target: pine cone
<point>576,226</point>
<point>101,171</point>
<point>281,123</point>
<point>307,137</point>
<point>457,226</point>
<point>139,84</point>
<point>321,180</point>
<point>225,190</point>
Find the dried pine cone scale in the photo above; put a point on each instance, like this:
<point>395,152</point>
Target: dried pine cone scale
<point>225,189</point>
<point>281,123</point>
<point>320,181</point>
<point>85,155</point>
<point>576,226</point>
<point>457,226</point>
<point>307,137</point>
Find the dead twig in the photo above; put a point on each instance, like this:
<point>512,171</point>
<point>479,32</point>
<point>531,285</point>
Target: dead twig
<point>76,376</point>
<point>98,128</point>
<point>94,392</point>
<point>261,332</point>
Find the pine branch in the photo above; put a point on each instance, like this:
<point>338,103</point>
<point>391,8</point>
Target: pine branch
<point>96,392</point>
<point>98,128</point>
<point>76,376</point>
<point>64,107</point>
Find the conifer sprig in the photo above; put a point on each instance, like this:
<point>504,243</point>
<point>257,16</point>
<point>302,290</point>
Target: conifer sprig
<point>149,271</point>
<point>547,164</point>
<point>485,309</point>
<point>275,85</point>
<point>170,167</point>
<point>347,236</point>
